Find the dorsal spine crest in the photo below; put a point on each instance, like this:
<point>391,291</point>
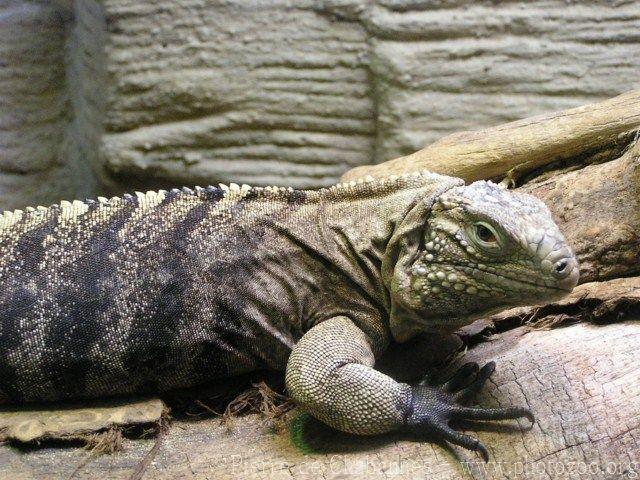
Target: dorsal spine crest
<point>232,190</point>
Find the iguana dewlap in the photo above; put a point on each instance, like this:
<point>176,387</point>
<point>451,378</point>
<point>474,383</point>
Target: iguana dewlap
<point>172,289</point>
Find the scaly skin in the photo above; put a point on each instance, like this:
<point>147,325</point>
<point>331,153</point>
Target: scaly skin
<point>173,289</point>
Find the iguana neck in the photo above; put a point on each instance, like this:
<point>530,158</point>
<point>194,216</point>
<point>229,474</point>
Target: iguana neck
<point>364,225</point>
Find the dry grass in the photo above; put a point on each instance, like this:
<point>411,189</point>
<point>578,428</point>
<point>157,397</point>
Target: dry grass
<point>106,442</point>
<point>260,397</point>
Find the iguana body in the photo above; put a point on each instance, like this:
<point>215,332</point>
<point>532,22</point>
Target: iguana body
<point>172,289</point>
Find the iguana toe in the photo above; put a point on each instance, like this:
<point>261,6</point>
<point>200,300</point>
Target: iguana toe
<point>469,391</point>
<point>465,375</point>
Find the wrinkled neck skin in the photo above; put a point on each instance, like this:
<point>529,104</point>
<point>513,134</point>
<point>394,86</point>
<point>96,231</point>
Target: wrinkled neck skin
<point>356,232</point>
<point>366,234</point>
<point>408,318</point>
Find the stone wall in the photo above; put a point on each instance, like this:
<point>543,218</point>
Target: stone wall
<point>35,111</point>
<point>102,96</point>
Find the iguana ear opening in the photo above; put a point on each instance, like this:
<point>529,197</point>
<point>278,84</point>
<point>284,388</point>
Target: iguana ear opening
<point>407,237</point>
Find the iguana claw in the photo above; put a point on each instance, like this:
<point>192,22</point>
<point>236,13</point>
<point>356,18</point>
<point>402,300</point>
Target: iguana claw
<point>433,407</point>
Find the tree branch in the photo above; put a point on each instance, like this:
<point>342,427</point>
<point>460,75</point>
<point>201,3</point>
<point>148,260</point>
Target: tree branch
<point>523,146</point>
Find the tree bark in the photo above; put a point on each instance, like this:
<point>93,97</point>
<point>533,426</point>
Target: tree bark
<point>590,302</point>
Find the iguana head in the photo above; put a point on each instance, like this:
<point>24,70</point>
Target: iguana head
<point>481,249</point>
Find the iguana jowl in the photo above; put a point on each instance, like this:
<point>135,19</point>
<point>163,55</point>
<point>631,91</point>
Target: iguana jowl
<point>172,289</point>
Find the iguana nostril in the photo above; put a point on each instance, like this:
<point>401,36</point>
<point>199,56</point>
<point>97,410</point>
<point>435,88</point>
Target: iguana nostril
<point>566,272</point>
<point>560,266</point>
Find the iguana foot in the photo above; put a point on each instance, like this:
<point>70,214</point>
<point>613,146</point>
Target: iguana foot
<point>433,407</point>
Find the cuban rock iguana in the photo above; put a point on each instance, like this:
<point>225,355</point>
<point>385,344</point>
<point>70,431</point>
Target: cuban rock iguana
<point>172,289</point>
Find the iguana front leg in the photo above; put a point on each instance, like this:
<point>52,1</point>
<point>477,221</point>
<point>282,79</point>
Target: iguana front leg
<point>330,375</point>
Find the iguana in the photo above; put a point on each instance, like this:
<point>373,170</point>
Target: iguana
<point>170,289</point>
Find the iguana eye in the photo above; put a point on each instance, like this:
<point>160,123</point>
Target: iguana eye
<point>485,234</point>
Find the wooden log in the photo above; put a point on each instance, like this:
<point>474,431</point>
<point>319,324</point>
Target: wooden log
<point>524,145</point>
<point>593,301</point>
<point>36,423</point>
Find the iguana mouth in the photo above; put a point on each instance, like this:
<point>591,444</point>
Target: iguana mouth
<point>489,284</point>
<point>536,285</point>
